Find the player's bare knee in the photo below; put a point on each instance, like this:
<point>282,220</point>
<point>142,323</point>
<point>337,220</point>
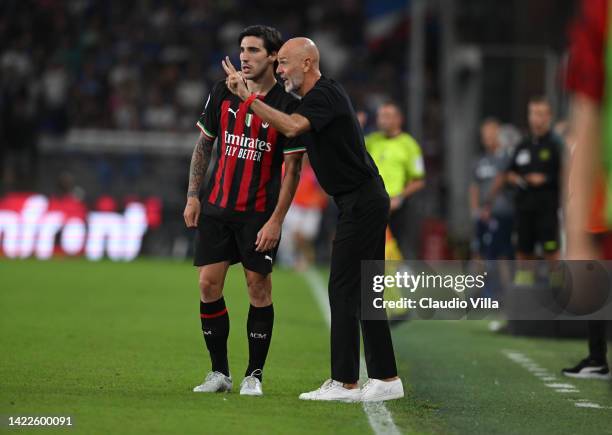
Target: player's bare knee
<point>260,290</point>
<point>211,288</point>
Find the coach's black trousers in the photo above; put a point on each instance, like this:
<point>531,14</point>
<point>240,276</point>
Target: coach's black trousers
<point>360,235</point>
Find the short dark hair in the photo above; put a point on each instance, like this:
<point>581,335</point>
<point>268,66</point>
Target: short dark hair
<point>272,38</point>
<point>540,99</point>
<point>393,103</point>
<point>490,120</point>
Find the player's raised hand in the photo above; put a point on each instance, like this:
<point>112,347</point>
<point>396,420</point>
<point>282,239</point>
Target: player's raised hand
<point>234,81</point>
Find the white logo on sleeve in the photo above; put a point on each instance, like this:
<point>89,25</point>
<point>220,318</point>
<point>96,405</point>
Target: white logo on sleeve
<point>229,109</point>
<point>267,257</point>
<point>523,158</point>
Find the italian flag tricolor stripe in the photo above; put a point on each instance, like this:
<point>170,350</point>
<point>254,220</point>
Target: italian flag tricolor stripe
<point>294,150</point>
<point>206,132</point>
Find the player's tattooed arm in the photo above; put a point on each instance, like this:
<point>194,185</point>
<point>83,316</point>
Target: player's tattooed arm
<point>199,163</point>
<point>200,159</point>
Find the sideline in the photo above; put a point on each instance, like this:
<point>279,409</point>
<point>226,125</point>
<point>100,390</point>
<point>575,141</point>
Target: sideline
<point>549,379</point>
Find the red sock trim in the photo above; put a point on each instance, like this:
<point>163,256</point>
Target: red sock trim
<point>213,315</point>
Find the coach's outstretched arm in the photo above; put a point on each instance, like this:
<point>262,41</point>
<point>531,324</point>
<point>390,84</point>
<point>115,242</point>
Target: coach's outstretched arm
<point>288,125</point>
<point>197,170</point>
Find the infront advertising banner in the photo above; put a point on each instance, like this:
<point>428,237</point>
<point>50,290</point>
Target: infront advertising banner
<point>35,225</point>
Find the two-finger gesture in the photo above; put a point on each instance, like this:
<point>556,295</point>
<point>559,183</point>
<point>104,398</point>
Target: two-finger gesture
<point>234,81</point>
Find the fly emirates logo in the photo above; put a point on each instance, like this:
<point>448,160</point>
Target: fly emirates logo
<point>244,147</point>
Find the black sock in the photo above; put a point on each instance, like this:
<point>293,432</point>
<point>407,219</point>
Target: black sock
<point>215,328</point>
<point>259,332</point>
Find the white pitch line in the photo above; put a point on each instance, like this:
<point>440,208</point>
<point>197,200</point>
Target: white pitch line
<point>584,403</point>
<point>379,417</point>
<point>588,405</point>
<point>566,386</point>
<point>541,373</point>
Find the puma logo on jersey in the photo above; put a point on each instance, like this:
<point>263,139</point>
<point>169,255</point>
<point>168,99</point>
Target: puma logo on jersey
<point>258,335</point>
<point>265,124</point>
<point>229,109</point>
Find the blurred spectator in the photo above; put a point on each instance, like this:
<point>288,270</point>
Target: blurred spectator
<point>400,163</point>
<point>159,115</point>
<point>493,226</point>
<point>90,93</point>
<point>190,94</point>
<point>98,62</point>
<point>124,71</point>
<point>55,86</point>
<point>67,187</point>
<point>19,139</point>
<point>123,105</point>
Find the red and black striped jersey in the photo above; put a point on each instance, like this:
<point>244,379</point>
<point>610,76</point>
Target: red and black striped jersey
<point>248,155</point>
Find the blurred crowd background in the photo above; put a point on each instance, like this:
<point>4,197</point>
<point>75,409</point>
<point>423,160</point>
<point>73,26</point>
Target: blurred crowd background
<point>100,98</point>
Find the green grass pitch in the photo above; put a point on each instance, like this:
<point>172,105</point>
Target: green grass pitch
<point>118,347</point>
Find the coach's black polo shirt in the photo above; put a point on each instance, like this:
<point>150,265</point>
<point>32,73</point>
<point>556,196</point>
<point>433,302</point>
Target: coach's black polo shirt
<point>337,152</point>
<point>543,155</point>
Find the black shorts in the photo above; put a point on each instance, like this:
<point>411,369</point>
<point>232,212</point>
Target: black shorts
<point>537,226</point>
<point>221,239</point>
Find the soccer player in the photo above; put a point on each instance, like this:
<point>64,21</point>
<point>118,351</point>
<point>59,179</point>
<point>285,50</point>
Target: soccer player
<point>400,162</point>
<point>346,171</point>
<point>239,214</point>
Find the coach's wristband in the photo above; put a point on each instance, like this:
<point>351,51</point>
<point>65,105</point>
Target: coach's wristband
<point>249,101</point>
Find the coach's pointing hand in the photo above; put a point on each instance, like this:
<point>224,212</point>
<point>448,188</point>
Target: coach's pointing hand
<point>234,80</point>
<point>268,236</point>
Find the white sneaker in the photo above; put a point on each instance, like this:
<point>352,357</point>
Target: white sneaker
<point>333,390</point>
<point>375,390</point>
<point>215,382</point>
<point>251,386</point>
